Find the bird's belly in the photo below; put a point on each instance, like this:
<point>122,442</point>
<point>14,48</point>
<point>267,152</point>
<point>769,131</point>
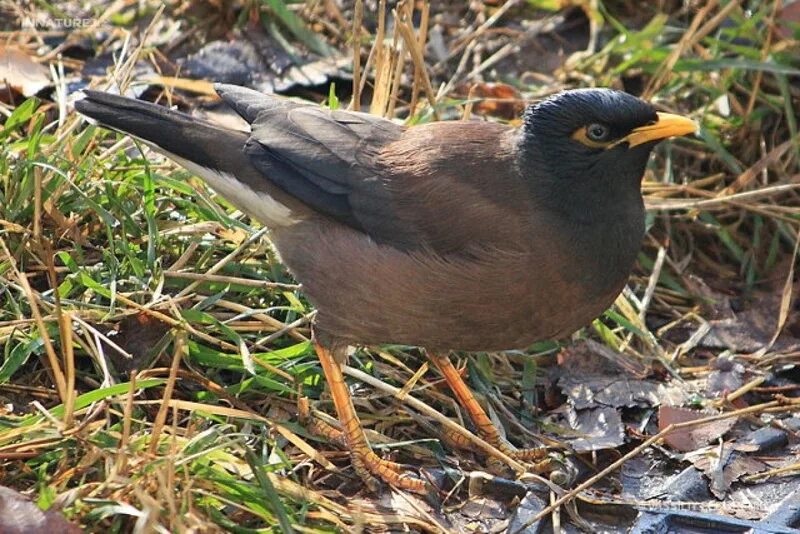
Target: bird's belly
<point>367,293</point>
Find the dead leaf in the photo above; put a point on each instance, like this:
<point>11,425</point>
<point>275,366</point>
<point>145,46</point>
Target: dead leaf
<point>599,428</point>
<point>522,520</point>
<point>762,440</point>
<point>229,62</point>
<point>138,335</point>
<point>589,356</point>
<point>591,377</point>
<point>754,327</point>
<point>727,376</point>
<point>255,60</point>
<point>788,19</point>
<point>692,438</point>
<point>22,73</point>
<point>233,234</point>
<point>688,485</point>
<point>494,99</point>
<point>617,392</point>
<point>787,296</point>
<point>721,474</point>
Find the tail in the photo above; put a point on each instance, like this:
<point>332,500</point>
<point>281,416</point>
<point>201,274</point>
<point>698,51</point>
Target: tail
<point>214,153</point>
<point>176,134</point>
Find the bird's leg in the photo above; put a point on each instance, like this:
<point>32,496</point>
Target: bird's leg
<point>366,463</point>
<point>317,426</point>
<point>483,424</point>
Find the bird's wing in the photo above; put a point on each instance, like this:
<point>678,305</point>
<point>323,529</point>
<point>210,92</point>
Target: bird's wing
<point>436,186</point>
<point>324,158</point>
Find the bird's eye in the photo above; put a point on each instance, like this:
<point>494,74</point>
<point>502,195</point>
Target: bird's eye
<point>595,135</point>
<point>597,132</point>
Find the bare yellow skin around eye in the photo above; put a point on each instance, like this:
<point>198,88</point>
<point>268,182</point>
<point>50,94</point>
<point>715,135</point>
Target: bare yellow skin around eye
<point>580,136</point>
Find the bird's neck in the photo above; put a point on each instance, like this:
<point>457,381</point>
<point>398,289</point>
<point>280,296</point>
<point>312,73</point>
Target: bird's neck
<point>593,193</point>
<point>602,243</point>
<point>602,226</point>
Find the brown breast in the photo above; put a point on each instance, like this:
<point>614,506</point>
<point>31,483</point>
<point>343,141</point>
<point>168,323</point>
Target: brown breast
<point>368,293</point>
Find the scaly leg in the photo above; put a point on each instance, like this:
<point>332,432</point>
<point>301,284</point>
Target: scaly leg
<point>366,463</point>
<point>483,424</point>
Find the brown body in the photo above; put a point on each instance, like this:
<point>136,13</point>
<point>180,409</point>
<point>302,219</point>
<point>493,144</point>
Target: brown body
<point>529,274</point>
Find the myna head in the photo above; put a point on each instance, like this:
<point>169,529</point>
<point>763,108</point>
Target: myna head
<point>592,139</point>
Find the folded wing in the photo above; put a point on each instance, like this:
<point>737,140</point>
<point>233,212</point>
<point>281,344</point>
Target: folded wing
<point>420,187</point>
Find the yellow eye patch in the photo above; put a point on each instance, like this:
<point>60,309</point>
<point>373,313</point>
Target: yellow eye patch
<point>665,125</point>
<point>580,136</point>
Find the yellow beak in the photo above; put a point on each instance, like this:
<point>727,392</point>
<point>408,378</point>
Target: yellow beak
<point>667,125</point>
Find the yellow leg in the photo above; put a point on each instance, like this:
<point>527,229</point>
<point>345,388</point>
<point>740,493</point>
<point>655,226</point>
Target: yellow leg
<point>366,463</point>
<point>483,424</point>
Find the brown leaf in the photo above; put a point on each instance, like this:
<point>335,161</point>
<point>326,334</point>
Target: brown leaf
<point>788,19</point>
<point>692,438</point>
<point>728,375</point>
<point>733,466</point>
<point>495,99</point>
<point>754,328</point>
<point>138,335</point>
<point>22,73</point>
<point>592,375</point>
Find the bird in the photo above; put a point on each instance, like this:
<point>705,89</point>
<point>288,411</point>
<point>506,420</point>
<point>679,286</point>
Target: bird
<point>449,236</point>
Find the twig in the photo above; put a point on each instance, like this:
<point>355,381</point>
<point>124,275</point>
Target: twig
<point>161,417</point>
<point>224,261</point>
<point>68,353</point>
<point>358,15</point>
<point>419,62</point>
<point>54,367</point>
<point>751,102</point>
<point>707,203</point>
<point>422,37</point>
<point>127,416</point>
<point>652,282</point>
<point>665,69</point>
<point>480,30</point>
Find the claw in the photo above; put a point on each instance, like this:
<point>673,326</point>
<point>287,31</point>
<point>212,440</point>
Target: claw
<point>367,465</point>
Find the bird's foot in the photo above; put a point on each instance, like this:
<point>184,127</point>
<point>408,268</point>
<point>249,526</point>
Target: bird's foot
<point>539,460</point>
<point>370,467</point>
<point>558,468</point>
<point>317,426</point>
<point>542,461</point>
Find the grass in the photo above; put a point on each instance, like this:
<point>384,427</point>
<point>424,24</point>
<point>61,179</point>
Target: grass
<point>113,259</point>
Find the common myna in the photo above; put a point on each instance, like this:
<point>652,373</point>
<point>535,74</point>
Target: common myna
<point>471,236</point>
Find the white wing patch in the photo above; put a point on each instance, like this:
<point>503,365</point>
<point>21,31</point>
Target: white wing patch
<point>258,205</point>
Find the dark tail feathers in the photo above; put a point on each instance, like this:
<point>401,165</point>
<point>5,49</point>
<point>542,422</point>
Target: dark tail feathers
<point>172,131</point>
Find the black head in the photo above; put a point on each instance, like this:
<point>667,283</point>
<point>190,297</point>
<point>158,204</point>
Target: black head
<point>592,145</point>
<point>582,154</point>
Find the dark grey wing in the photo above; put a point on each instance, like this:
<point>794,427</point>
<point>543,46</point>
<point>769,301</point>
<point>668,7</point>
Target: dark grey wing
<point>328,160</point>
